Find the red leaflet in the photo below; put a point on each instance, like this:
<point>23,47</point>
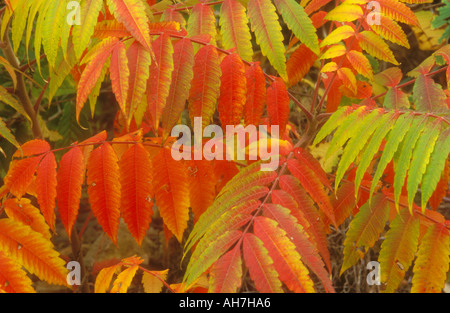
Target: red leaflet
<point>20,175</point>
<point>205,85</point>
<point>68,192</point>
<point>256,94</point>
<point>283,198</point>
<point>318,19</point>
<point>171,192</point>
<point>171,27</point>
<point>24,212</point>
<point>226,273</point>
<point>428,95</point>
<point>224,171</point>
<point>299,64</point>
<point>304,243</point>
<point>285,257</point>
<point>278,104</point>
<point>33,251</point>
<point>183,61</point>
<point>103,182</point>
<point>344,202</point>
<point>139,60</point>
<point>306,205</point>
<point>32,147</point>
<point>87,145</point>
<point>334,95</point>
<point>110,28</point>
<point>46,188</point>
<point>136,190</point>
<point>390,77</point>
<point>158,84</point>
<point>314,5</point>
<point>13,278</point>
<point>170,15</point>
<point>202,183</point>
<point>313,185</point>
<point>306,157</point>
<point>260,265</point>
<point>440,191</point>
<point>93,71</point>
<point>131,13</point>
<point>120,74</point>
<point>233,90</point>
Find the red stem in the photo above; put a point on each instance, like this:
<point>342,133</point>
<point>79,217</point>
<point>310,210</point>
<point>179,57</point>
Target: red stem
<point>86,222</point>
<point>39,99</point>
<point>188,7</point>
<point>29,64</point>
<point>412,81</point>
<point>98,143</point>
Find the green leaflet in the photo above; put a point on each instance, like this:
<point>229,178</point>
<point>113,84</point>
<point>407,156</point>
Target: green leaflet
<point>398,249</point>
<point>436,166</point>
<point>298,21</point>
<point>12,101</point>
<point>205,86</point>
<point>30,25</point>
<point>6,17</point>
<point>219,207</point>
<point>335,120</point>
<point>412,149</point>
<point>62,68</point>
<point>395,137</point>
<point>38,33</point>
<point>432,261</point>
<point>19,22</point>
<point>52,29</point>
<point>234,29</point>
<point>345,131</point>
<point>257,260</point>
<point>88,17</point>
<point>249,176</point>
<point>267,29</point>
<point>212,252</point>
<point>364,231</point>
<point>364,129</point>
<point>183,61</point>
<point>395,99</point>
<point>231,195</point>
<point>6,133</point>
<point>68,126</point>
<point>403,162</point>
<point>96,90</point>
<point>387,122</point>
<point>231,220</point>
<point>420,158</point>
<point>201,22</point>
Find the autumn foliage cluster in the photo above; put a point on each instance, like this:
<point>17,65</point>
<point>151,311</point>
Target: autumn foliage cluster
<point>92,89</point>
